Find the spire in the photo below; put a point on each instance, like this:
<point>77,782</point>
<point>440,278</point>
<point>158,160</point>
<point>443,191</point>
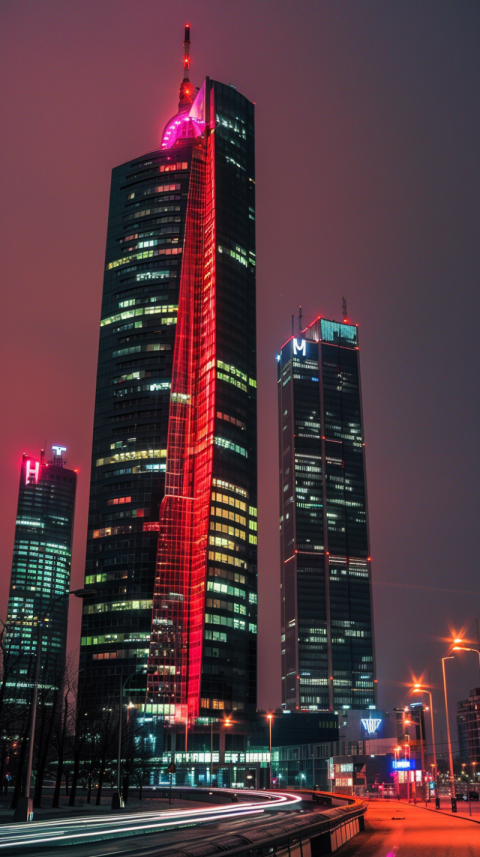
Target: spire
<point>186,89</point>
<point>186,53</point>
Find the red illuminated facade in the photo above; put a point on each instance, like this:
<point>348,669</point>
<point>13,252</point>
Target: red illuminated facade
<point>179,598</point>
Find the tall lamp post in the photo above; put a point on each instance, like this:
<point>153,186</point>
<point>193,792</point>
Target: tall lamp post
<point>270,718</point>
<point>24,811</point>
<point>468,649</point>
<point>419,689</point>
<point>211,750</point>
<point>116,801</point>
<point>450,757</point>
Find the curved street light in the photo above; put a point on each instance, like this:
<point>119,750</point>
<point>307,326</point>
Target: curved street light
<point>418,688</point>
<point>116,799</point>
<point>467,649</point>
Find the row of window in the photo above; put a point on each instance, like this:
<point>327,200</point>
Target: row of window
<point>228,486</point>
<point>232,606</point>
<point>130,313</point>
<point>230,445</point>
<point>123,606</point>
<point>217,556</point>
<point>157,210</point>
<point>134,636</point>
<point>144,254</point>
<point>232,420</point>
<point>232,516</point>
<point>132,456</point>
<point>225,589</point>
<point>120,653</point>
<point>229,501</point>
<point>159,189</point>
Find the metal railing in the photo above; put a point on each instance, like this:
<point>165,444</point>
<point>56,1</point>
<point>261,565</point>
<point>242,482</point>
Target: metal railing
<point>290,835</point>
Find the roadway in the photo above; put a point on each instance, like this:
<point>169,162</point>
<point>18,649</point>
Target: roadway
<point>397,829</point>
<point>102,834</point>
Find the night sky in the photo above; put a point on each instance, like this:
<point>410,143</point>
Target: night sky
<point>367,135</point>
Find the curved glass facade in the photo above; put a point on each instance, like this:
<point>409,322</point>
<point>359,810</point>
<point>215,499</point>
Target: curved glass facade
<point>177,381</point>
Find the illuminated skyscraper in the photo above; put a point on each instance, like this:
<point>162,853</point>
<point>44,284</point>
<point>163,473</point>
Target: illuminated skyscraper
<point>327,623</point>
<point>172,528</point>
<point>42,558</point>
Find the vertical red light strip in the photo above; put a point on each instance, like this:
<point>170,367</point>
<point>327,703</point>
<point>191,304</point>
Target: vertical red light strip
<point>204,435</point>
<point>174,665</point>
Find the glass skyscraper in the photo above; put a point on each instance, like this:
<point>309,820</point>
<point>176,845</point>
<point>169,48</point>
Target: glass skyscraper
<point>327,623</point>
<point>42,558</point>
<point>173,520</point>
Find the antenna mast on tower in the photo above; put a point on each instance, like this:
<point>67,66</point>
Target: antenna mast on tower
<point>186,88</point>
<point>344,309</point>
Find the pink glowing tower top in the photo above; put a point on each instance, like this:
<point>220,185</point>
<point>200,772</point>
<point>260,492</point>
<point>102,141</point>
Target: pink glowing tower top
<point>190,120</point>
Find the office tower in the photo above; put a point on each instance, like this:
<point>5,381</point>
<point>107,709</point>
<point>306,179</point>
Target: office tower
<point>327,625</point>
<point>42,558</point>
<point>172,528</point>
<point>468,725</point>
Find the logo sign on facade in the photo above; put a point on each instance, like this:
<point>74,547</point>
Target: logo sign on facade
<point>32,470</point>
<point>299,346</point>
<point>58,450</point>
<point>403,764</point>
<point>371,725</point>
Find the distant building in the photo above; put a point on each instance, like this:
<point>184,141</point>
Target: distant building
<point>327,622</point>
<point>307,747</point>
<point>42,559</point>
<point>468,725</point>
<point>364,753</point>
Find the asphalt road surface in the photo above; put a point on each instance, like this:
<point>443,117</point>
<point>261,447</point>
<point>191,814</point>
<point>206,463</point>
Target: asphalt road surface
<point>54,836</point>
<point>153,844</point>
<point>394,829</point>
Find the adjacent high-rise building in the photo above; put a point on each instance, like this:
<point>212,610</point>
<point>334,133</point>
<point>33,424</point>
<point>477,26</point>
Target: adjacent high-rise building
<point>173,520</point>
<point>468,725</point>
<point>327,624</point>
<point>42,558</point>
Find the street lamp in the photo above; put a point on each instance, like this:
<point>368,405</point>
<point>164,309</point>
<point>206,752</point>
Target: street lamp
<point>116,802</point>
<point>270,718</point>
<point>419,689</point>
<point>25,804</point>
<point>463,648</point>
<point>467,649</point>
<point>211,750</point>
<point>450,757</point>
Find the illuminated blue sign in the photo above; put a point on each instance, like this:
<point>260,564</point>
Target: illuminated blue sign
<point>371,725</point>
<point>58,450</point>
<point>403,765</point>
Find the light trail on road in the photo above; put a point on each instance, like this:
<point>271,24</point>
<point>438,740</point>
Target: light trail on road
<point>72,831</point>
